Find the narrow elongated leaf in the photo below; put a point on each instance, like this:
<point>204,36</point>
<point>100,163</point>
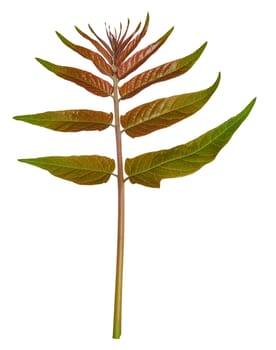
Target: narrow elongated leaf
<point>70,120</point>
<point>137,59</point>
<point>98,46</point>
<point>150,168</point>
<point>130,45</point>
<point>83,170</point>
<point>104,44</point>
<point>88,81</point>
<point>97,59</point>
<point>121,38</point>
<point>161,73</point>
<point>164,112</point>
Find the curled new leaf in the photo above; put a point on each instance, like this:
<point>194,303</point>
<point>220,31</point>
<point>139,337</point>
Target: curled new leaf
<point>70,120</point>
<point>161,73</point>
<point>83,170</point>
<point>137,59</point>
<point>98,46</point>
<point>88,81</point>
<point>97,59</point>
<point>164,112</point>
<point>150,168</point>
<point>128,45</point>
<point>103,42</point>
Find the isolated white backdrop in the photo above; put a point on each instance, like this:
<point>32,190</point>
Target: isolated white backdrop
<point>200,252</point>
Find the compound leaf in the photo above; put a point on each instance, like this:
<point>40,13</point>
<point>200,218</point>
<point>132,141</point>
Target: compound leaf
<point>150,168</point>
<point>83,170</point>
<point>161,73</point>
<point>88,81</point>
<point>164,112</point>
<point>70,120</point>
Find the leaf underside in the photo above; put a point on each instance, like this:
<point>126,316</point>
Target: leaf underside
<point>83,170</point>
<point>164,112</point>
<point>150,168</point>
<point>70,120</point>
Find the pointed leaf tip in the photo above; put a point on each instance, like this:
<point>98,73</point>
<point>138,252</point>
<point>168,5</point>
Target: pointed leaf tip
<point>40,60</point>
<point>59,34</point>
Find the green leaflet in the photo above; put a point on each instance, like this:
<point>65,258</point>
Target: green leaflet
<point>83,170</point>
<point>161,73</point>
<point>70,120</point>
<point>88,81</point>
<point>150,168</point>
<point>164,112</point>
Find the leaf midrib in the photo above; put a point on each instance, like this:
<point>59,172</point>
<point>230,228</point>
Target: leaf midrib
<point>70,167</point>
<point>67,121</point>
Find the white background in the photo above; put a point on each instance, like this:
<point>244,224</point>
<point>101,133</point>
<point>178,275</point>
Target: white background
<point>200,252</point>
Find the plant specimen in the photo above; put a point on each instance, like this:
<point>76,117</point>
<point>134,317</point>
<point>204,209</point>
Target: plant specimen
<point>117,58</point>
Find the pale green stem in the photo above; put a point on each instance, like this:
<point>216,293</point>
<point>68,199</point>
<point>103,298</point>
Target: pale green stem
<point>117,324</point>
